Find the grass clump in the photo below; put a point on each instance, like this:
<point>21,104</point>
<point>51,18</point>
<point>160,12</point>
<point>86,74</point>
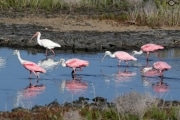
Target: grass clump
<point>153,13</point>
<point>130,106</point>
<point>134,104</point>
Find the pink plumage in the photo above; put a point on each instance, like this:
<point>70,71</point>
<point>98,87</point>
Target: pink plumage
<point>161,66</point>
<point>151,47</point>
<point>31,66</point>
<point>74,63</point>
<point>121,56</point>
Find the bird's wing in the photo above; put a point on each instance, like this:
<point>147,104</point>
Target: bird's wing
<point>33,66</point>
<point>124,56</point>
<point>49,44</point>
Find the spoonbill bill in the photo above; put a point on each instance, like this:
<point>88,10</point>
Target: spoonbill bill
<point>121,56</point>
<point>150,47</point>
<point>74,63</point>
<point>46,43</point>
<point>31,66</point>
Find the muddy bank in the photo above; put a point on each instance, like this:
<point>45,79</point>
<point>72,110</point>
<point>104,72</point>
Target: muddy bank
<point>19,35</point>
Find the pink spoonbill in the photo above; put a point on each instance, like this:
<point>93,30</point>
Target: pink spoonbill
<point>46,43</point>
<point>74,63</point>
<point>121,56</point>
<point>31,66</point>
<point>161,66</point>
<point>150,47</point>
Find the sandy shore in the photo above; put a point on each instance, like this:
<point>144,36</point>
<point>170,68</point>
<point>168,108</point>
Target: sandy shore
<point>77,23</point>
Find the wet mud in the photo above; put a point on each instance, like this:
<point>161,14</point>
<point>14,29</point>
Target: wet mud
<point>19,36</point>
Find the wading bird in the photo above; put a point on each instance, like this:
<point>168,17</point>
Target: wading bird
<point>74,63</point>
<point>31,66</point>
<point>121,56</point>
<point>150,47</point>
<point>48,44</point>
<point>161,66</point>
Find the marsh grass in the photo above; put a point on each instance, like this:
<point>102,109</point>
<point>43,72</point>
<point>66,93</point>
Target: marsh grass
<point>153,13</point>
<point>130,106</point>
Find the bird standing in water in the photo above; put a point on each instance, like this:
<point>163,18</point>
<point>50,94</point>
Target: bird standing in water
<point>31,66</point>
<point>48,44</point>
<point>161,66</point>
<point>121,56</point>
<point>74,63</point>
<point>150,47</point>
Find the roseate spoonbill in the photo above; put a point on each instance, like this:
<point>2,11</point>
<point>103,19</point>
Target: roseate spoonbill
<point>31,66</point>
<point>121,56</point>
<point>74,63</point>
<point>150,47</point>
<point>149,71</point>
<point>48,44</point>
<point>161,66</point>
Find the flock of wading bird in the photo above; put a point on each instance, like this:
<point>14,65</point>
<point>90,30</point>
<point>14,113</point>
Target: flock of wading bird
<point>158,67</point>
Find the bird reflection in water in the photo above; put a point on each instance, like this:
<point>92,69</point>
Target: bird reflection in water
<point>125,75</point>
<point>2,62</point>
<point>160,87</point>
<point>48,64</point>
<point>25,96</point>
<point>75,85</point>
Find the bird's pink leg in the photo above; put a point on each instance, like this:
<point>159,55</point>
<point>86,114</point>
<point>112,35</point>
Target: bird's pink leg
<point>30,74</point>
<point>147,56</point>
<point>127,63</point>
<point>52,51</point>
<point>119,63</point>
<point>36,74</point>
<point>46,52</point>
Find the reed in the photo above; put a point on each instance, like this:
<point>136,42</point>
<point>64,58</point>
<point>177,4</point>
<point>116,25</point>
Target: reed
<point>153,13</point>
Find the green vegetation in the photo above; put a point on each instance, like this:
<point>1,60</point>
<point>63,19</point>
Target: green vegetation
<point>154,13</point>
<point>131,106</point>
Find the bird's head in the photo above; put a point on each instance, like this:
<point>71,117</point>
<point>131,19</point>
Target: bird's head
<point>106,53</point>
<point>62,62</point>
<point>36,34</point>
<point>16,52</point>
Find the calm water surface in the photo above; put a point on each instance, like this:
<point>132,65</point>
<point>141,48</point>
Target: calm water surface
<point>103,79</point>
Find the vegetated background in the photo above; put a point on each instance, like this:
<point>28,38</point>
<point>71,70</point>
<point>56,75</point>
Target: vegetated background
<point>153,13</point>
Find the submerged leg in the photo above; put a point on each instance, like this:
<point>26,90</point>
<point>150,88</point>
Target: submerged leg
<point>119,63</point>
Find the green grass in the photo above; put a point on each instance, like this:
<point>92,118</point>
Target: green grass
<point>152,13</point>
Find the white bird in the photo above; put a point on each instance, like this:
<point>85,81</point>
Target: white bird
<point>48,44</point>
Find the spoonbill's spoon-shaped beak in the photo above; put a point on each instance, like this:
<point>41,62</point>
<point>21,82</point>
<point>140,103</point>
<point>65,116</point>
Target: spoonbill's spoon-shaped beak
<point>103,58</point>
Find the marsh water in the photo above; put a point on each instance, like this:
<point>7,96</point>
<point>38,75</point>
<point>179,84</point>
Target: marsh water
<point>104,79</point>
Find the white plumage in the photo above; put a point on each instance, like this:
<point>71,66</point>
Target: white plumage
<point>46,43</point>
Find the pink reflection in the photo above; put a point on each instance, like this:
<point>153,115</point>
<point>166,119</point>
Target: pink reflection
<point>161,87</point>
<point>124,75</point>
<point>33,91</point>
<point>149,72</point>
<point>76,85</point>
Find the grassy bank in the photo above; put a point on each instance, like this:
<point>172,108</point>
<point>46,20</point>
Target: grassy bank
<point>130,106</point>
<point>154,13</point>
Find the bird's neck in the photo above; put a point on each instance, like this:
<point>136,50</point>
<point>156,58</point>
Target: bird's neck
<point>19,57</point>
<point>63,64</point>
<point>38,38</point>
<point>112,55</point>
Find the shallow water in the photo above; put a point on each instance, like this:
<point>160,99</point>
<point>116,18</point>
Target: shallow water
<point>103,79</point>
